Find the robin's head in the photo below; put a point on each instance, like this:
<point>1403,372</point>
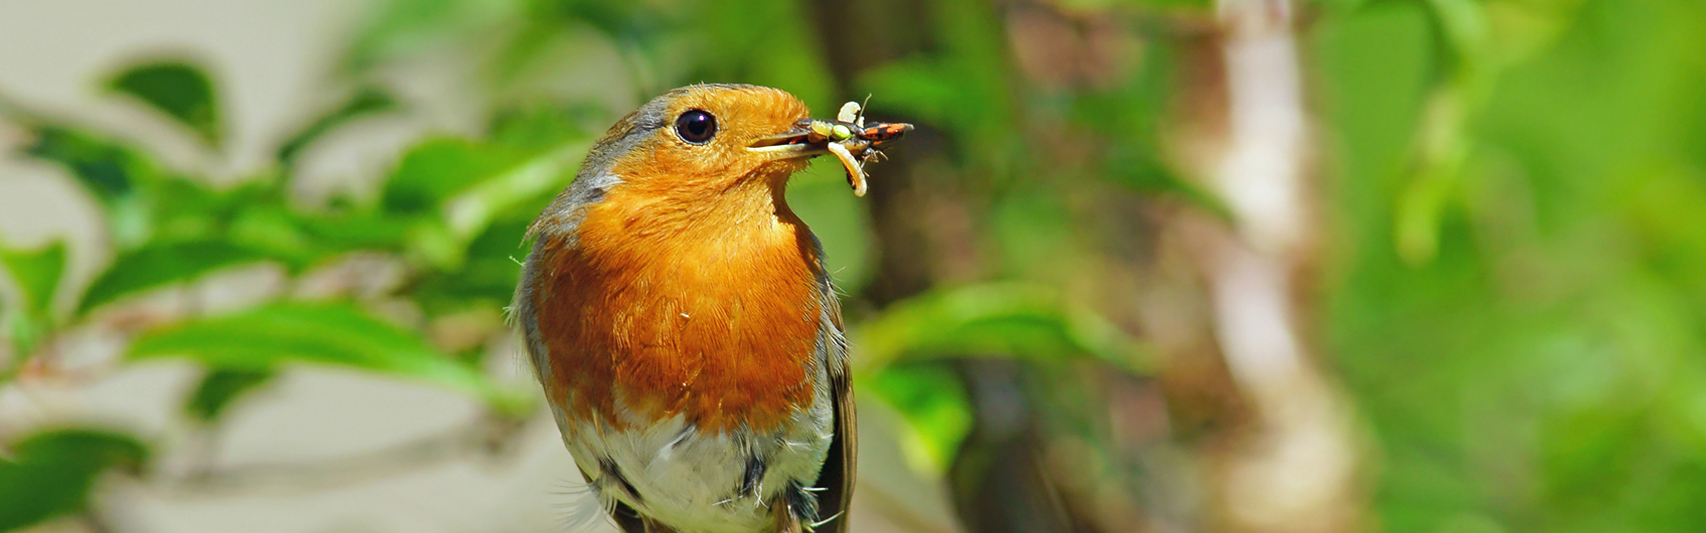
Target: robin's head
<point>706,138</point>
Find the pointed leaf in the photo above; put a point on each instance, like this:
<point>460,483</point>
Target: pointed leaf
<point>53,472</point>
<point>35,274</point>
<point>108,169</point>
<point>997,319</point>
<point>937,411</point>
<point>158,265</point>
<point>365,102</point>
<point>336,334</point>
<point>456,188</point>
<point>178,89</point>
<point>439,168</point>
<point>220,388</point>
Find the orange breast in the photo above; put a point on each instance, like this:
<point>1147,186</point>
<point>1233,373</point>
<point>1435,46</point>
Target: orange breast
<point>666,308</point>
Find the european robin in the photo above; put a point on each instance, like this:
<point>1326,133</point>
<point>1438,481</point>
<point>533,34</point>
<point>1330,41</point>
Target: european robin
<point>684,329</point>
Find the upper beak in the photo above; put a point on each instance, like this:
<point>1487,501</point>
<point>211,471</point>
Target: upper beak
<point>789,144</point>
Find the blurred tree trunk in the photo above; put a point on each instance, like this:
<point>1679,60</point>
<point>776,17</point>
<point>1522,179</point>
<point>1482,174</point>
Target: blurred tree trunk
<point>1293,465</point>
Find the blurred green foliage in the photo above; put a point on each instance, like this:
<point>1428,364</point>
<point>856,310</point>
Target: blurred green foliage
<point>1513,288</point>
<point>52,472</point>
<point>1542,370</point>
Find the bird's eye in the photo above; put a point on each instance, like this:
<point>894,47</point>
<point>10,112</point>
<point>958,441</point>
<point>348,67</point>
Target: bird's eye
<point>695,126</point>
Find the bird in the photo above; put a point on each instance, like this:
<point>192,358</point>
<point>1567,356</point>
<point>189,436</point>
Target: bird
<point>682,325</point>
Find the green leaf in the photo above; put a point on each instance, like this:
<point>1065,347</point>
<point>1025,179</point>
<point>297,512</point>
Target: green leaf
<point>334,334</point>
<point>108,169</point>
<point>178,89</point>
<point>357,230</point>
<point>937,411</point>
<point>25,331</point>
<point>158,265</point>
<point>439,168</point>
<point>35,276</point>
<point>220,388</point>
<point>488,277</point>
<point>365,102</point>
<point>544,174</point>
<point>992,320</point>
<point>456,188</point>
<point>53,472</point>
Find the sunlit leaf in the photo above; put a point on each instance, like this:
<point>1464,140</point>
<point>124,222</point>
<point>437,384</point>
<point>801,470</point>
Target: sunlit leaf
<point>991,320</point>
<point>25,331</point>
<point>181,91</point>
<point>334,334</point>
<point>35,274</point>
<point>278,233</point>
<point>34,278</point>
<point>365,102</point>
<point>938,414</point>
<point>436,169</point>
<point>159,265</point>
<point>357,230</point>
<point>220,388</point>
<point>51,473</point>
<point>470,212</point>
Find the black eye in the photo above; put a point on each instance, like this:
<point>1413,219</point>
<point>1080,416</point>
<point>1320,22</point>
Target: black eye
<point>696,126</point>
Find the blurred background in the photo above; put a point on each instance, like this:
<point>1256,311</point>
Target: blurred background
<point>1146,265</point>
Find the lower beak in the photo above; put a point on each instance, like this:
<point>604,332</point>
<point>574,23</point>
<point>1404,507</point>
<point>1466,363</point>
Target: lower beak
<point>793,143</point>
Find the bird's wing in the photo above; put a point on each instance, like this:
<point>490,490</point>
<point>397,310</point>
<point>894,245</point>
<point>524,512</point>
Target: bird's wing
<point>838,472</point>
<point>627,519</point>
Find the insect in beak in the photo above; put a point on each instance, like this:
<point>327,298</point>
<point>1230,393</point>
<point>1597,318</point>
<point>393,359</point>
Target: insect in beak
<point>848,137</point>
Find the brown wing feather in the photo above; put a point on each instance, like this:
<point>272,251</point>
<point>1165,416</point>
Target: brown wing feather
<point>654,527</point>
<point>839,468</point>
<point>627,519</point>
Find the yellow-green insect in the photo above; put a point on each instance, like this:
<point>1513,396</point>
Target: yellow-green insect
<point>851,141</point>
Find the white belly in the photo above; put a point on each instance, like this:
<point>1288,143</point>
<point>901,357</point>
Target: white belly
<point>696,482</point>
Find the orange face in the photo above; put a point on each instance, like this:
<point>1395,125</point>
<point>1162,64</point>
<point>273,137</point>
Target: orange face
<point>710,138</point>
<point>676,280</point>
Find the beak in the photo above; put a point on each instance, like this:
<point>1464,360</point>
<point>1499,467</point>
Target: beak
<point>790,144</point>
